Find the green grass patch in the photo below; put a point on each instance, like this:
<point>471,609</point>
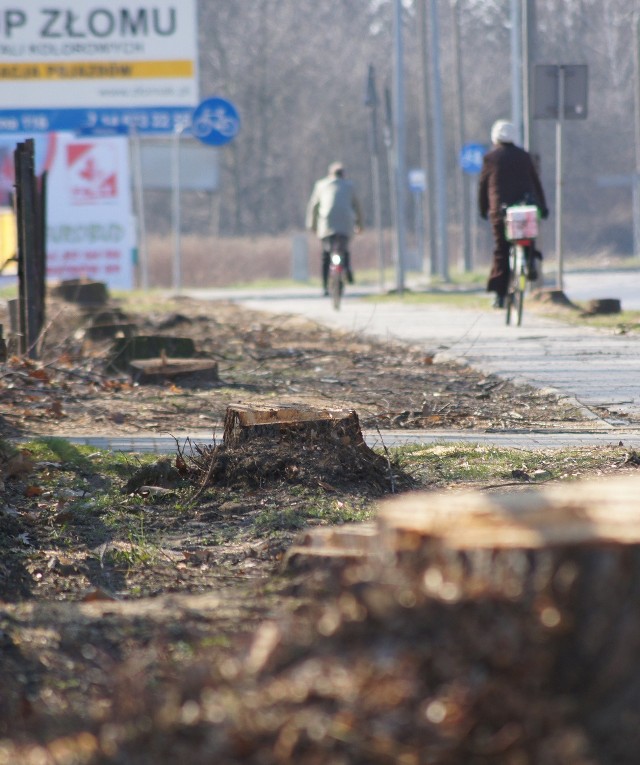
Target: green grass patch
<point>9,292</point>
<point>309,508</point>
<point>464,463</point>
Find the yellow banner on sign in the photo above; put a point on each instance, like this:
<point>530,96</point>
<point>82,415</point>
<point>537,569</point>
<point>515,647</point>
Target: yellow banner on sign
<point>91,70</point>
<point>8,242</point>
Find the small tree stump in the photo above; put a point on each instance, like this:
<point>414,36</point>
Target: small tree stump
<point>555,297</point>
<point>82,291</point>
<point>245,422</point>
<point>160,370</point>
<point>127,349</point>
<point>603,306</point>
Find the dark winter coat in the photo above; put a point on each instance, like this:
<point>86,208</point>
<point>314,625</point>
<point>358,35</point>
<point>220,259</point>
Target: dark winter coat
<point>508,176</point>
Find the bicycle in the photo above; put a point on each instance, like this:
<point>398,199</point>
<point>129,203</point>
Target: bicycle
<point>521,228</point>
<point>337,270</point>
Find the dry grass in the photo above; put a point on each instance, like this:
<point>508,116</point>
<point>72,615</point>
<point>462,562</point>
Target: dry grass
<point>220,262</point>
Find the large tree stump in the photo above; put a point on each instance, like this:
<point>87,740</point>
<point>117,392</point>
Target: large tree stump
<point>518,613</point>
<point>246,422</point>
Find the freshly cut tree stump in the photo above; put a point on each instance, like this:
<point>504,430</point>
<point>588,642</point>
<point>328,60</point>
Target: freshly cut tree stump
<point>246,423</point>
<point>518,615</point>
<point>596,514</point>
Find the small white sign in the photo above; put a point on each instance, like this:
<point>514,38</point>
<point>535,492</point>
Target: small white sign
<point>417,180</point>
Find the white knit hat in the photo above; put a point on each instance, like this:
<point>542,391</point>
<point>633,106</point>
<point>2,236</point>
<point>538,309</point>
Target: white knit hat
<point>503,132</point>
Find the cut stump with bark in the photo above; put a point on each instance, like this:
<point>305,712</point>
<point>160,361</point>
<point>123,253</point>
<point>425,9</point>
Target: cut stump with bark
<point>246,423</point>
<point>520,610</point>
<point>295,444</point>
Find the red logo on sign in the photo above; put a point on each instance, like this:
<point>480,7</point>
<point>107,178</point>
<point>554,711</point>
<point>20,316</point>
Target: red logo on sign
<point>93,172</point>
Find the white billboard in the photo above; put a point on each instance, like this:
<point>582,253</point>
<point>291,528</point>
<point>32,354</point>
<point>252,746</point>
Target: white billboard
<point>90,229</point>
<point>92,54</point>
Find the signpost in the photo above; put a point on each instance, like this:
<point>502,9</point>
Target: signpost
<point>215,122</point>
<point>471,156</point>
<point>418,185</point>
<point>371,102</point>
<point>560,93</point>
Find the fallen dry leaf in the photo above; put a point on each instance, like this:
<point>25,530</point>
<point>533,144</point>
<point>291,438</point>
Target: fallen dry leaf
<point>39,374</point>
<point>97,595</point>
<point>18,465</point>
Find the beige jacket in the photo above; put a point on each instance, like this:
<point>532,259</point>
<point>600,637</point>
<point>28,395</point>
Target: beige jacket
<point>333,208</point>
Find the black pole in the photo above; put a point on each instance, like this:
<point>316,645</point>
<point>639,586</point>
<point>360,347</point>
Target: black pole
<point>30,260</point>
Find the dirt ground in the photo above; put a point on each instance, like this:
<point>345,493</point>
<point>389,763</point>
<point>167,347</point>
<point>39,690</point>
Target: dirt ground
<point>127,626</point>
<point>261,359</point>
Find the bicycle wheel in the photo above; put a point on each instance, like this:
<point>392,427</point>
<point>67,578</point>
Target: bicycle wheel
<point>518,299</point>
<point>521,282</point>
<point>335,288</point>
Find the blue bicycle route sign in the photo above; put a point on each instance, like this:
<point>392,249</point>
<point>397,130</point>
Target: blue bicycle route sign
<point>471,156</point>
<point>215,121</point>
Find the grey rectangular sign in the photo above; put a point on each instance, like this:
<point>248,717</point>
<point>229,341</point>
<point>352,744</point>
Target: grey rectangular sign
<point>546,91</point>
<point>198,165</point>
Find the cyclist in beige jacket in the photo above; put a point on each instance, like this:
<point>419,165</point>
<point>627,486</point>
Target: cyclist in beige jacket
<point>334,210</point>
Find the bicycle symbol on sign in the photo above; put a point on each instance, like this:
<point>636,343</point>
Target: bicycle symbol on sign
<point>215,121</point>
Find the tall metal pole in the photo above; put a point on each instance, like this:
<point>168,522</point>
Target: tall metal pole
<point>463,194</point>
<point>143,259</point>
<point>177,224</point>
<point>426,145</point>
<point>399,142</point>
<point>636,177</point>
<point>388,143</point>
<point>528,57</point>
<point>559,181</point>
<point>516,68</point>
<point>439,145</point>
<point>371,101</point>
